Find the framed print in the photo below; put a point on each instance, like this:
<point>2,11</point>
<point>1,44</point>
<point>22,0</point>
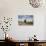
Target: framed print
<point>25,19</point>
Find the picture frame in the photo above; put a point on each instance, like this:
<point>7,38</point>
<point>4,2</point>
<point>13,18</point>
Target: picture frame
<point>25,19</point>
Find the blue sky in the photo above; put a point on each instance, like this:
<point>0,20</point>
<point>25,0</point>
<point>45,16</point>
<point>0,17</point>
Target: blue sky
<point>25,16</point>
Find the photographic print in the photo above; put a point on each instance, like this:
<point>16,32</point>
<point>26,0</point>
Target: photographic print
<point>25,19</point>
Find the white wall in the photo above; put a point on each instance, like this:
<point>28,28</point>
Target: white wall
<point>45,28</point>
<point>13,8</point>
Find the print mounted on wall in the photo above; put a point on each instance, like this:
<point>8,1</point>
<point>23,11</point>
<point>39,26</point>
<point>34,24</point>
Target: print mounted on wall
<point>25,19</point>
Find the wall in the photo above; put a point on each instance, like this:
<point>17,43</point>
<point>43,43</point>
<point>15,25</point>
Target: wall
<point>13,8</point>
<point>45,28</point>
